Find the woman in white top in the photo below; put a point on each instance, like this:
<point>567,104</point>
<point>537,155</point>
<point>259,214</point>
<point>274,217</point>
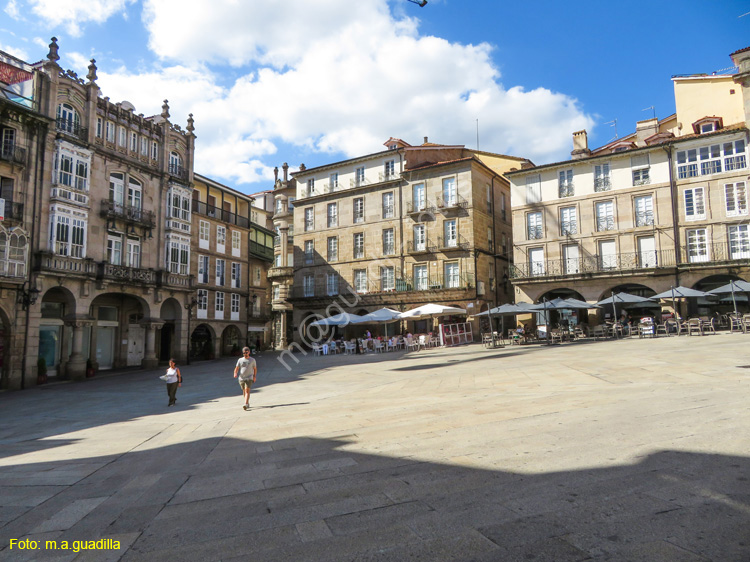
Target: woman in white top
<point>174,379</point>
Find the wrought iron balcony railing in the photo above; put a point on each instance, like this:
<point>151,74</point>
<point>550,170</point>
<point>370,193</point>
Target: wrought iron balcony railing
<point>535,233</point>
<point>644,218</point>
<point>451,203</point>
<point>425,208</point>
<point>602,184</point>
<point>605,223</point>
<point>114,210</point>
<point>425,247</point>
<point>11,152</point>
<point>452,243</point>
<point>384,286</point>
<point>597,264</point>
<point>126,274</point>
<point>177,171</point>
<point>69,127</point>
<point>220,214</point>
<point>568,227</point>
<point>13,211</point>
<point>567,190</point>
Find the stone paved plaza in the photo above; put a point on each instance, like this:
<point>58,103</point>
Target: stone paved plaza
<point>622,450</point>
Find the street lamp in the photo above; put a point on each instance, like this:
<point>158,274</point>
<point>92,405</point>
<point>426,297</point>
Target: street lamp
<point>420,3</point>
<point>27,296</point>
<point>189,307</point>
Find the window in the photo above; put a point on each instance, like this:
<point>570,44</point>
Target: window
<point>123,137</point>
<point>236,275</point>
<point>359,176</point>
<point>687,163</point>
<point>175,164</point>
<point>133,141</point>
<point>221,238</point>
<point>255,309</point>
<point>13,253</point>
<point>99,127</point>
<point>387,278</point>
<point>536,262</point>
<point>235,310</point>
<point>565,183</point>
<point>739,242</point>
<point>647,256</point>
<point>333,249</point>
<point>289,205</point>
<point>533,189</point>
<point>420,238</point>
<point>644,210</point>
<point>67,119</point>
<point>133,253</point>
<point>310,187</point>
<point>708,127</point>
<point>420,278</point>
<point>601,177</point>
<point>109,131</point>
<point>450,195</point>
<point>276,292</point>
<point>178,254</point>
<point>534,226</point>
<point>735,195</point>
<point>309,252</point>
<point>710,158</point>
<point>117,188</point>
<point>450,232</point>
<point>605,216</point>
<point>309,219</point>
<point>144,146</point>
<point>154,150</point>
<point>220,272</point>
<point>607,254</point>
<point>489,239</point>
<point>389,170</point>
<point>360,280</point>
<point>333,215</point>
<point>452,279</point>
<point>202,269</point>
<point>571,259</point>
<point>308,283</point>
<point>389,242</point>
<point>332,284</point>
<point>359,209</point>
<point>219,304</point>
<point>503,211</point>
<point>695,208</point>
<point>72,167</point>
<point>333,182</point>
<point>114,250</point>
<point>568,221</point>
<point>489,198</point>
<point>135,194</point>
<point>734,156</point>
<point>359,245</point>
<point>68,236</point>
<point>202,303</point>
<point>388,208</point>
<point>640,169</point>
<point>258,277</point>
<point>236,243</point>
<point>204,234</point>
<point>418,201</point>
<point>697,245</point>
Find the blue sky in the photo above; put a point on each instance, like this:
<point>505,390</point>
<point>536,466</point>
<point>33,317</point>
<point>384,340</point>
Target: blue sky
<point>272,81</point>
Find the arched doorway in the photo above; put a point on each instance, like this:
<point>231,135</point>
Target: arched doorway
<point>171,313</point>
<point>567,317</point>
<point>57,303</point>
<point>230,340</point>
<point>202,343</point>
<point>636,311</point>
<point>118,338</point>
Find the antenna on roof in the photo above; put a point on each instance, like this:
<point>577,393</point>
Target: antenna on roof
<point>651,107</point>
<point>613,123</point>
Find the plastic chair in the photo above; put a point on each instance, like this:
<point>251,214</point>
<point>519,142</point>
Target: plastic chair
<point>317,350</point>
<point>694,325</point>
<point>379,347</point>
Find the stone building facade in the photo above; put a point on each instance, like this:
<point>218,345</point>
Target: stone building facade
<point>401,228</point>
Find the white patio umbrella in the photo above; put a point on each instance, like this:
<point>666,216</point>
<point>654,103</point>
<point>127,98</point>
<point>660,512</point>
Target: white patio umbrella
<point>430,311</point>
<point>343,319</point>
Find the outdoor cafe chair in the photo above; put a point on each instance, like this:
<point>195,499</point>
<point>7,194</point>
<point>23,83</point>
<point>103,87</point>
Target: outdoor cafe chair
<point>411,344</point>
<point>317,350</point>
<point>378,345</point>
<point>746,323</point>
<point>708,325</point>
<point>663,327</point>
<point>556,336</point>
<point>350,348</point>
<point>434,341</point>
<point>694,325</point>
<point>599,331</point>
<point>423,341</point>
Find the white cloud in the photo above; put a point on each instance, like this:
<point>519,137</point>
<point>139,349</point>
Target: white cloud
<point>15,51</point>
<point>330,76</point>
<point>11,8</point>
<point>73,13</point>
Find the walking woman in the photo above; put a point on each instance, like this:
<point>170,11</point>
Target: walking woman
<point>174,379</point>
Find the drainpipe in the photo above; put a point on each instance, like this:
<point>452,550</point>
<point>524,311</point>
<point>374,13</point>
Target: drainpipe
<point>675,216</point>
<point>401,209</point>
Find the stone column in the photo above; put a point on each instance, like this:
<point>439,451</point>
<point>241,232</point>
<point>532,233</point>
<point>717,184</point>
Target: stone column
<point>150,361</point>
<point>282,341</point>
<point>76,365</point>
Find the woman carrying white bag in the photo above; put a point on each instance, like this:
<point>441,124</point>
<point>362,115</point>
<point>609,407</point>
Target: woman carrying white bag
<point>173,378</point>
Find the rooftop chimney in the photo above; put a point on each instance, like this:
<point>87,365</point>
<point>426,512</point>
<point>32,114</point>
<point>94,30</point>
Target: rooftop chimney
<point>580,145</point>
<point>425,140</point>
<point>645,129</point>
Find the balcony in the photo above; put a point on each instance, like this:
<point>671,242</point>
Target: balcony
<point>593,265</point>
<point>602,184</point>
<point>13,212</point>
<point>64,265</point>
<point>220,214</point>
<point>379,288</point>
<point>64,190</point>
<point>11,152</point>
<point>604,224</point>
<point>280,272</point>
<point>426,247</point>
<point>71,128</point>
<point>174,280</point>
<point>453,203</point>
<point>390,176</point>
<point>260,251</point>
<point>178,172</point>
<point>568,227</point>
<point>424,209</point>
<point>124,274</point>
<point>113,210</point>
<point>566,190</point>
<point>644,219</point>
<point>728,252</point>
<point>452,243</point>
<point>534,233</point>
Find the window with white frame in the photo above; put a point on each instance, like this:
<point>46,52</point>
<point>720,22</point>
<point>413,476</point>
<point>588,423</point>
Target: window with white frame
<point>276,292</point>
<point>697,245</point>
<point>135,194</point>
<point>202,303</point>
<point>67,119</point>
<point>333,182</point>
<point>178,205</point>
<point>332,284</point>
<point>359,245</point>
<point>144,146</point>
<point>178,254</point>
<point>534,230</point>
<point>710,159</point>
<point>309,219</point>
<point>333,214</point>
<point>117,188</point>
<point>640,168</point>
<point>175,164</point>
<point>308,283</point>
<point>236,275</point>
<point>236,243</point>
<point>452,278</point>
<point>388,207</point>
<point>220,272</point>
<point>533,189</point>
<point>359,209</point>
<point>309,252</point>
<point>99,127</point>
<point>387,278</point>
<point>14,248</point>
<point>109,131</point>
<point>360,280</point>
<point>133,141</point>
<point>122,139</point>
<point>602,180</point>
<point>739,242</point>
<point>389,242</point>
<point>221,238</point>
<point>219,304</point>
<point>695,205</point>
<point>68,231</point>
<point>420,278</point>
<point>333,249</point>
<point>605,216</point>
<point>235,304</point>
<point>450,233</point>
<point>419,201</point>
<point>537,264</point>
<point>203,269</point>
<point>359,176</point>
<point>114,249</point>
<point>204,234</point>
<point>565,183</point>
<point>687,163</point>
<point>735,195</point>
<point>715,158</point>
<point>154,150</point>
<point>568,221</point>
<point>72,166</point>
<point>450,192</point>
<point>734,155</point>
<point>389,170</point>
<point>133,253</point>
<point>644,210</point>
<point>310,187</point>
<point>420,238</point>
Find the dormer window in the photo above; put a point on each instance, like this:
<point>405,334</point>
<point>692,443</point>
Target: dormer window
<point>708,128</point>
<point>707,125</point>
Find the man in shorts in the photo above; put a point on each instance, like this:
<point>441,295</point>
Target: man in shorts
<point>247,371</point>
